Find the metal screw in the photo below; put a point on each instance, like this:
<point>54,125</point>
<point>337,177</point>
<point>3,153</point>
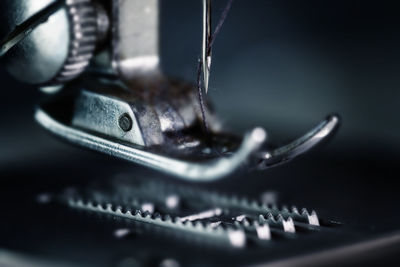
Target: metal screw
<point>125,122</point>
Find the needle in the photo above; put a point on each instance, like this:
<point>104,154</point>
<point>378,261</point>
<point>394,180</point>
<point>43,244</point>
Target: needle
<point>206,57</point>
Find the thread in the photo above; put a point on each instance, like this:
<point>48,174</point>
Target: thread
<point>200,62</point>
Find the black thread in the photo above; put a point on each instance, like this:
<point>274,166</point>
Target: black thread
<point>221,22</point>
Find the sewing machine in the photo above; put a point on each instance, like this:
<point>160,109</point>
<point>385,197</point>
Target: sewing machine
<point>97,63</point>
<point>114,98</point>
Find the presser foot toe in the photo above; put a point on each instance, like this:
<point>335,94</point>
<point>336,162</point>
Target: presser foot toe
<point>273,157</point>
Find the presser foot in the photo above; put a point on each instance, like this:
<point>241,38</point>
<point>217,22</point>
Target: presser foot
<point>166,134</point>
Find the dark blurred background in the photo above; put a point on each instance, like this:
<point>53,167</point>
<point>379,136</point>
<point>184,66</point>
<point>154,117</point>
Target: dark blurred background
<point>283,65</point>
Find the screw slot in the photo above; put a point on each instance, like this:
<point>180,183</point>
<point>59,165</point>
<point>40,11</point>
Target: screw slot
<point>125,122</point>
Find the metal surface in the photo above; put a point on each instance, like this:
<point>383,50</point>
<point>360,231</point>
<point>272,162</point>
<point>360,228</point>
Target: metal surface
<point>125,122</point>
<point>243,206</point>
<point>301,145</point>
<point>169,112</point>
<point>225,221</point>
<point>135,39</point>
<point>138,115</point>
<point>48,42</point>
<point>26,27</point>
<point>206,231</point>
<point>206,54</point>
<point>102,114</point>
<point>95,118</point>
<point>192,171</point>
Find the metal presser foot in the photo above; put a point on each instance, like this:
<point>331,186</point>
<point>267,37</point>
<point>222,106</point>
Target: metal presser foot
<point>164,132</point>
<point>123,105</point>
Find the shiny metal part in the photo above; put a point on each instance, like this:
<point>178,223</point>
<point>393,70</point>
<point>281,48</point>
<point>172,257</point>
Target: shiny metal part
<point>286,225</point>
<point>206,55</point>
<point>49,42</point>
<point>206,170</point>
<point>23,29</point>
<point>136,39</point>
<point>103,22</point>
<point>102,114</point>
<point>109,109</point>
<point>228,223</point>
<point>248,207</point>
<point>204,231</point>
<point>96,123</point>
<point>299,146</point>
<point>137,114</point>
<point>202,215</point>
<point>263,231</point>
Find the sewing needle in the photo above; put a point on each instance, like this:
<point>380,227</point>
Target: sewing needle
<point>206,57</point>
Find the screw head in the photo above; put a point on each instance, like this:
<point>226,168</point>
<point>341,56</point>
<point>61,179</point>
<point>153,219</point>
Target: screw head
<point>125,122</point>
